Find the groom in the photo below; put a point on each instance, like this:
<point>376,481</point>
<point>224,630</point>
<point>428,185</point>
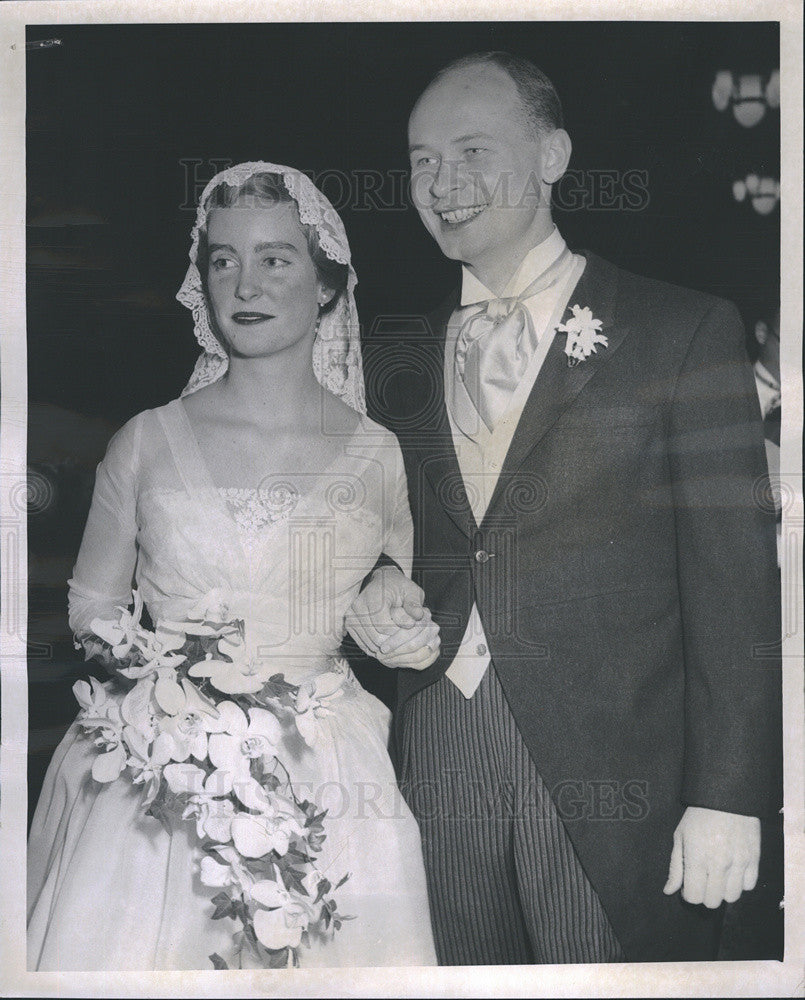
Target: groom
<point>591,750</point>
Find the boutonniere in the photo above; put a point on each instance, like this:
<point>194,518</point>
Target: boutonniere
<point>583,335</point>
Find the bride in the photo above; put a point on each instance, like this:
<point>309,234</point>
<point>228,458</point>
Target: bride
<point>266,493</point>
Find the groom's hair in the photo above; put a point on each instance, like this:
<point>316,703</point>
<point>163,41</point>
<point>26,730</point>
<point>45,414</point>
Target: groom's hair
<point>540,101</point>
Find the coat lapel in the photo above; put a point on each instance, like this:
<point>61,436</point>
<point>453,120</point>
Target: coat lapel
<point>557,384</point>
<point>433,437</point>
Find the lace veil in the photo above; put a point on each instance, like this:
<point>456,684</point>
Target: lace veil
<point>336,350</point>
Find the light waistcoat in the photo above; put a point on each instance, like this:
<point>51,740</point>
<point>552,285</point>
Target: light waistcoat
<point>481,455</point>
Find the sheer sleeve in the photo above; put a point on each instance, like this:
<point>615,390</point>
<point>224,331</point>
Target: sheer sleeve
<point>104,570</point>
<point>398,543</point>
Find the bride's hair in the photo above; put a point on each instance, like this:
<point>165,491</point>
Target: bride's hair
<point>259,191</point>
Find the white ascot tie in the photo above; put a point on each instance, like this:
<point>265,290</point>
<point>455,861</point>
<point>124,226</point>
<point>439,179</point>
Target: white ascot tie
<point>768,389</point>
<point>495,344</point>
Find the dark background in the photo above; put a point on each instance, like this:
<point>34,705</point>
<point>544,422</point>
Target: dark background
<point>116,114</point>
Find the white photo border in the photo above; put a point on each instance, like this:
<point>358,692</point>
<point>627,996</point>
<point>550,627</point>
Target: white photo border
<point>684,979</point>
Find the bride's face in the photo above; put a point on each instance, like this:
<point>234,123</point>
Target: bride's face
<point>261,281</point>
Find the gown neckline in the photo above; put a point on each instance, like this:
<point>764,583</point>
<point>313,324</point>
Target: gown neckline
<point>204,476</point>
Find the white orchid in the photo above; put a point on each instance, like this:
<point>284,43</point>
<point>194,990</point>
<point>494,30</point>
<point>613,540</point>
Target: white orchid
<point>168,693</point>
<point>189,718</point>
<point>214,874</point>
<point>311,882</point>
<point>583,335</point>
<point>93,698</point>
<point>242,741</point>
<point>170,636</point>
<point>231,872</point>
<point>107,766</point>
<point>102,714</point>
<point>242,676</point>
<point>270,829</point>
<point>210,616</point>
<point>199,627</point>
<point>312,702</point>
<point>217,763</point>
<point>120,634</point>
<point>146,760</point>
<point>241,673</point>
<point>280,916</point>
<point>138,709</point>
<point>213,816</point>
<point>158,649</point>
<point>185,779</point>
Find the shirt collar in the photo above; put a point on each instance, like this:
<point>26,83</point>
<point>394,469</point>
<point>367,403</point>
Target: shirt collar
<point>536,262</point>
<point>766,376</point>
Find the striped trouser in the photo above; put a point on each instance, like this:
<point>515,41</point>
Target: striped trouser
<point>506,886</point>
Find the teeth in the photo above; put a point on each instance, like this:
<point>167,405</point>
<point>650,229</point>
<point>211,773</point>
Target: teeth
<point>461,214</point>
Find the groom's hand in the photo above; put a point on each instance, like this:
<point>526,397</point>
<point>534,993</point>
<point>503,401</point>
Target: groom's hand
<point>715,856</point>
<point>389,621</point>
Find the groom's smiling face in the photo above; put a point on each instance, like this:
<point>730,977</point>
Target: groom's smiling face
<point>477,170</point>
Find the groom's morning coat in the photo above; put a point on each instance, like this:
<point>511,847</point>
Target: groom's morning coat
<point>625,575</point>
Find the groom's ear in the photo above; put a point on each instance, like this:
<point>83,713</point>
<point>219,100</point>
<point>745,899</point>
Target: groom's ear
<point>558,148</point>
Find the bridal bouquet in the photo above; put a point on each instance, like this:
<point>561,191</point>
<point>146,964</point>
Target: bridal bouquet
<point>202,729</point>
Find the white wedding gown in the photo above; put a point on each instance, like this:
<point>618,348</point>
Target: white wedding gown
<point>108,887</point>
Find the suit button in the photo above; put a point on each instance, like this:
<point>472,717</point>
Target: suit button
<point>481,556</point>
<point>480,649</point>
